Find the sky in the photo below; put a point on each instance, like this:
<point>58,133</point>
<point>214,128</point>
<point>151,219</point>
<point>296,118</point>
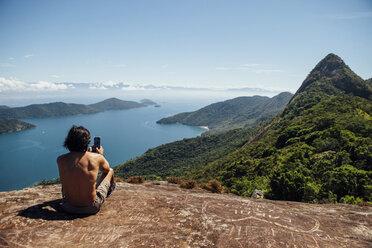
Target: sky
<point>47,46</point>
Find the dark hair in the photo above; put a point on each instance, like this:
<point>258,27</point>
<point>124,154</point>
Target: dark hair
<point>78,139</point>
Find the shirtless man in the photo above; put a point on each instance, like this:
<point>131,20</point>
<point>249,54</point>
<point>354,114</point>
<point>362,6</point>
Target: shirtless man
<point>78,171</point>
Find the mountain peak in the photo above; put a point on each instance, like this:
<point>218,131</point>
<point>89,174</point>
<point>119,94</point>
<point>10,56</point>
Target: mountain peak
<point>330,77</point>
<point>330,64</point>
<point>329,67</point>
<point>333,71</point>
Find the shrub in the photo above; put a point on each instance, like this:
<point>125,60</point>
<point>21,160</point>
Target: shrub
<point>118,179</point>
<point>189,184</point>
<point>348,180</point>
<point>213,186</point>
<point>48,182</point>
<point>136,179</point>
<point>153,177</point>
<point>175,180</point>
<point>365,204</point>
<point>311,192</point>
<point>288,184</point>
<point>349,199</point>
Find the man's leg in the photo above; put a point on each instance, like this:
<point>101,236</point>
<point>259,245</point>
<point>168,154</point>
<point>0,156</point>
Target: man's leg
<point>109,176</point>
<point>110,186</point>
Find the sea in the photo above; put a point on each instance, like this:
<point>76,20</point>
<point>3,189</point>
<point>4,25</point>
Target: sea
<point>29,156</point>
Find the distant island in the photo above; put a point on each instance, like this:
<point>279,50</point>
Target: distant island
<point>235,113</point>
<point>13,125</point>
<point>9,115</point>
<point>148,102</point>
<point>4,107</point>
<point>65,109</point>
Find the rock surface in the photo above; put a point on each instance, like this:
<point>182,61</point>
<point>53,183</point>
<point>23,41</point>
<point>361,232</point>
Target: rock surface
<point>164,215</point>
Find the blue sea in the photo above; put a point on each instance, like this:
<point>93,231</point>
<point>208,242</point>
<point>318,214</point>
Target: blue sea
<point>29,156</point>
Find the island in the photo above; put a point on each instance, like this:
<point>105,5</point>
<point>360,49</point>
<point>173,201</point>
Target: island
<point>9,116</point>
<point>13,125</point>
<point>65,109</point>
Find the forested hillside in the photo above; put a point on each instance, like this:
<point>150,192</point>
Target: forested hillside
<point>116,104</point>
<point>175,158</point>
<point>12,125</point>
<point>235,113</point>
<point>320,148</point>
<point>65,109</point>
<point>47,110</point>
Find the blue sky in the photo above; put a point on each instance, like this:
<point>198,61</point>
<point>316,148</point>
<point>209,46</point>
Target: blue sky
<point>194,43</point>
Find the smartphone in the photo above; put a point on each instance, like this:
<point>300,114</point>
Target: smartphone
<point>97,143</point>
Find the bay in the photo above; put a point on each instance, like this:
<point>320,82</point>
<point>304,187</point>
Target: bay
<point>29,156</point>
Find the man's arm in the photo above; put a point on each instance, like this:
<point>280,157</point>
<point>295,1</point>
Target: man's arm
<point>104,165</point>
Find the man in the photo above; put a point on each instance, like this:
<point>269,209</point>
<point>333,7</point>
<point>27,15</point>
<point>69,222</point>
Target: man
<point>78,171</point>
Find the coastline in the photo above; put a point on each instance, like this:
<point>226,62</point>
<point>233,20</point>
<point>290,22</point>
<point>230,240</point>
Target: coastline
<point>204,127</point>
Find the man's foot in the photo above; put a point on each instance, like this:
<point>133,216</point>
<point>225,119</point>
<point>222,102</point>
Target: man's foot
<point>111,189</point>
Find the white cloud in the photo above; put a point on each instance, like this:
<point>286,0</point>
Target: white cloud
<point>27,56</point>
<point>43,85</point>
<point>13,84</point>
<point>92,87</point>
<point>11,58</point>
<point>133,87</point>
<point>110,83</point>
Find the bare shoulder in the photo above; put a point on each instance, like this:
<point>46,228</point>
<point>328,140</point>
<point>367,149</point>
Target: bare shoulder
<point>92,156</point>
<point>61,158</point>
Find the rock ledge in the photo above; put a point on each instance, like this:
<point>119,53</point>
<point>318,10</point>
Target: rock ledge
<point>163,215</point>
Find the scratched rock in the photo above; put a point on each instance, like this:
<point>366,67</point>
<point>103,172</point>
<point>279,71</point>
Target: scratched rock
<point>164,215</point>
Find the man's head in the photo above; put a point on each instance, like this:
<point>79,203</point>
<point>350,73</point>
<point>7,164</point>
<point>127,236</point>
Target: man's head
<point>78,139</point>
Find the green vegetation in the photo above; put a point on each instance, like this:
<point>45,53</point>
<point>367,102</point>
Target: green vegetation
<point>48,182</point>
<point>236,113</point>
<point>12,125</point>
<point>64,109</point>
<point>8,124</point>
<point>116,104</point>
<point>319,149</point>
<point>47,110</point>
<point>174,159</point>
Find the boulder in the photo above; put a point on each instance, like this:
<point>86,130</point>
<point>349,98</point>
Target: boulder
<point>258,194</point>
<point>164,215</point>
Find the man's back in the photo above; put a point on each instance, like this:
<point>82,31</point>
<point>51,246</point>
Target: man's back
<point>78,173</point>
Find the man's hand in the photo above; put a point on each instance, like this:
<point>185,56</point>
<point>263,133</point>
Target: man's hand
<point>99,150</point>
